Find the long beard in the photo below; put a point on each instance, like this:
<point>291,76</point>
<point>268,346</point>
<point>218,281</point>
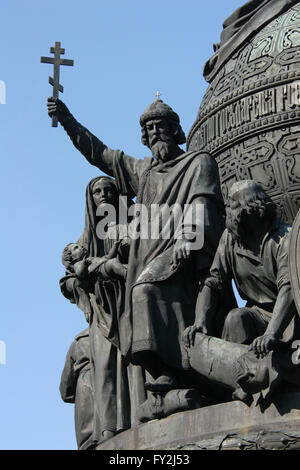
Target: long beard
<point>161,150</point>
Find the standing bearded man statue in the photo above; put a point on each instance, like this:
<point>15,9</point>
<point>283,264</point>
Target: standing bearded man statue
<point>164,273</point>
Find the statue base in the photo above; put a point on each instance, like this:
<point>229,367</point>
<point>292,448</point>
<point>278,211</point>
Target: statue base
<point>227,426</point>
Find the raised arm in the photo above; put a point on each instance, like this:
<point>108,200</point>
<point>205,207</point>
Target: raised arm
<point>90,146</point>
<point>115,163</point>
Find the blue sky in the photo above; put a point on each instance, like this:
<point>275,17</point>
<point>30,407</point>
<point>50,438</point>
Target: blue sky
<point>124,51</point>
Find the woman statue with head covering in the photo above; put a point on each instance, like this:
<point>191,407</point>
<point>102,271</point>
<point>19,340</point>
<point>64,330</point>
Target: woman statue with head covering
<point>118,389</point>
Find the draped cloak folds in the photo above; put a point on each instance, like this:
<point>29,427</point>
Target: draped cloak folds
<point>76,386</point>
<point>118,390</point>
<point>157,318</point>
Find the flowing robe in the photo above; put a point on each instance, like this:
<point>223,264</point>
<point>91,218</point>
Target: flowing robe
<point>157,317</point>
<point>100,301</point>
<point>118,389</point>
<point>76,386</point>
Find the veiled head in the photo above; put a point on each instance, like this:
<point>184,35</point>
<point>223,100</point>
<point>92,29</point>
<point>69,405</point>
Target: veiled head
<point>104,191</point>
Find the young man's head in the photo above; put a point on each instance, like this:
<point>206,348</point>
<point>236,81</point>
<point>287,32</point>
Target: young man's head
<point>71,254</point>
<point>247,205</point>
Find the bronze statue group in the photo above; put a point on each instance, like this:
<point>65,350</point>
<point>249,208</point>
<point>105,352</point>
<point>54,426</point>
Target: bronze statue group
<point>161,314</point>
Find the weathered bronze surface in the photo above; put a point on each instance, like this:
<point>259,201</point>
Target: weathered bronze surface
<point>249,119</point>
<point>294,260</point>
<point>57,62</point>
<point>164,333</point>
<point>228,426</point>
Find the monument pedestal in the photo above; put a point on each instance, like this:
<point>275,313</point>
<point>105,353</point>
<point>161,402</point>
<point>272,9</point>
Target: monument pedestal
<point>232,425</point>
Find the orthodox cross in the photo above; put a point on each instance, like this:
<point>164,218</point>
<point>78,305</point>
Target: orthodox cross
<point>56,61</point>
<point>158,95</point>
